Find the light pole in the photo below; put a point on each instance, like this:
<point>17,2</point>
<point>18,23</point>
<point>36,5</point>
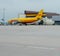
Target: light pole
<point>3,18</point>
<point>3,13</point>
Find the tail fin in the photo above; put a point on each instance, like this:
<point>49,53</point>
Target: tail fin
<point>40,14</point>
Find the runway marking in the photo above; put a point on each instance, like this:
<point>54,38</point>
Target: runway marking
<point>40,47</point>
<point>30,46</point>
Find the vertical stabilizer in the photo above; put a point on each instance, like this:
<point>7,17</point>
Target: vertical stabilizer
<point>40,14</point>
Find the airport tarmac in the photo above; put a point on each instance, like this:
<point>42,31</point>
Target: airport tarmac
<point>30,40</point>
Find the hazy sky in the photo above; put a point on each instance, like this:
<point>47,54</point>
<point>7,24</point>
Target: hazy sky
<point>13,7</point>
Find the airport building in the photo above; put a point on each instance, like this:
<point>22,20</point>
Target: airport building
<point>54,16</point>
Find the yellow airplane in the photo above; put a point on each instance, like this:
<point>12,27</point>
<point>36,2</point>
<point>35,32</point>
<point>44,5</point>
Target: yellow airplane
<point>27,20</point>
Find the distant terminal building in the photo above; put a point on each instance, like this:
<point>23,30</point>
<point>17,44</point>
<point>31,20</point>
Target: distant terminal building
<point>54,16</point>
<point>33,14</point>
<point>56,19</point>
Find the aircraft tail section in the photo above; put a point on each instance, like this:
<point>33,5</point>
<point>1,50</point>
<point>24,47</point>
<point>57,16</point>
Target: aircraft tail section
<point>40,14</point>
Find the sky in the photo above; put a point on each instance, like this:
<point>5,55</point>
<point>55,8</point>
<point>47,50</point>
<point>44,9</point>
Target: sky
<point>14,7</point>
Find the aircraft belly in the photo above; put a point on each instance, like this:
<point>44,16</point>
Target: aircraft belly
<point>27,20</point>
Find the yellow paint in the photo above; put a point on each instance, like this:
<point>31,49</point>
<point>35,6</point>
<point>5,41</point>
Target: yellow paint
<point>29,20</point>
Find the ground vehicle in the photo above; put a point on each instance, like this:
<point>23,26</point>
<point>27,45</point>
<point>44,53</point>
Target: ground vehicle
<point>47,21</point>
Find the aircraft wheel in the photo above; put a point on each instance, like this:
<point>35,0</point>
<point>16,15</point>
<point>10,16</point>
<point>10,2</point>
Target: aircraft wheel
<point>20,24</point>
<point>40,23</point>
